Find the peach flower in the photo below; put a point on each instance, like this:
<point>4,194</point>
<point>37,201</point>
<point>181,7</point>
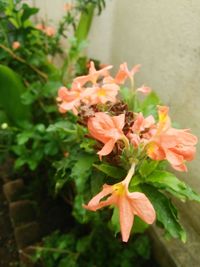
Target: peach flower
<point>129,204</point>
<point>144,89</point>
<point>125,73</point>
<point>102,93</point>
<point>174,145</point>
<point>108,130</point>
<point>16,45</point>
<point>142,130</point>
<point>93,75</point>
<point>49,31</point>
<point>69,99</point>
<point>40,27</point>
<point>68,7</point>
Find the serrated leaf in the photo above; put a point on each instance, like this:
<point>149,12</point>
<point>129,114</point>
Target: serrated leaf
<point>139,226</point>
<point>128,97</point>
<point>147,167</point>
<point>23,137</point>
<point>83,244</point>
<point>83,167</point>
<point>28,11</point>
<point>111,171</point>
<point>149,105</point>
<point>168,181</point>
<point>166,213</point>
<point>115,221</point>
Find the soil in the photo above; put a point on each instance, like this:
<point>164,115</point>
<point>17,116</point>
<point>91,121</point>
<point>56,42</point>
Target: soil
<point>8,249</point>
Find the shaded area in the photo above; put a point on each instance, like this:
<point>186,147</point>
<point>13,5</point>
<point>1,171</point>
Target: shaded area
<point>8,249</point>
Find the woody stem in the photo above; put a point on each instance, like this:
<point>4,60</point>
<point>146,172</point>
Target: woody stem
<point>130,174</point>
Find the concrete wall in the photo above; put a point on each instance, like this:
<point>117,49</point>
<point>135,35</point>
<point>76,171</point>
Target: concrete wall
<point>164,36</point>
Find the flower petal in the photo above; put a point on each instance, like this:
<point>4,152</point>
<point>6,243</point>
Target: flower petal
<point>107,148</point>
<point>126,217</point>
<point>173,158</point>
<point>95,204</point>
<point>144,89</point>
<point>142,207</point>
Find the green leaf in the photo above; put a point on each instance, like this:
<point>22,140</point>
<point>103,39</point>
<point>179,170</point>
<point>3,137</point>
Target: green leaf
<point>82,168</point>
<point>70,261</point>
<point>147,167</point>
<point>79,213</point>
<point>168,181</point>
<point>10,92</point>
<point>139,226</point>
<point>81,171</point>
<point>142,246</point>
<point>115,221</point>
<point>83,244</point>
<point>149,105</point>
<point>84,23</point>
<point>23,137</point>
<point>128,97</point>
<point>166,213</point>
<point>28,11</point>
<point>111,171</point>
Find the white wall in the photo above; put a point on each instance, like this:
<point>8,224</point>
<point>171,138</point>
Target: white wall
<point>162,35</point>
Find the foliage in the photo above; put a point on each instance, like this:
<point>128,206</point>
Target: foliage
<point>59,151</point>
<point>11,90</point>
<point>63,249</point>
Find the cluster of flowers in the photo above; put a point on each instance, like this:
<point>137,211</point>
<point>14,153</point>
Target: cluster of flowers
<point>97,92</point>
<point>48,30</point>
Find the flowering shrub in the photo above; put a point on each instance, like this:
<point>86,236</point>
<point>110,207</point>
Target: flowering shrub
<point>133,148</point>
<point>109,147</point>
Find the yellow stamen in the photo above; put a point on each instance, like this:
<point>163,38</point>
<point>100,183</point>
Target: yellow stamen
<point>101,92</point>
<point>119,189</point>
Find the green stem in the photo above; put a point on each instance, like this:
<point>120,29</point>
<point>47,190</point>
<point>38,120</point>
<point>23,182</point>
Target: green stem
<point>20,59</point>
<point>85,23</point>
<point>81,34</point>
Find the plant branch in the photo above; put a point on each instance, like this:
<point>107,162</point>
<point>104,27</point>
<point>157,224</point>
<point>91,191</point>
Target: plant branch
<point>20,59</point>
<point>62,251</point>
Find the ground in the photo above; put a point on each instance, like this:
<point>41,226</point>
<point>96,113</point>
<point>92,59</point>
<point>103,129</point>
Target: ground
<point>8,250</point>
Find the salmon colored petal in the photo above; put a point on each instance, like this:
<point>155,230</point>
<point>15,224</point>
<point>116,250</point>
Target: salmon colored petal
<point>188,152</point>
<point>181,168</point>
<point>154,151</point>
<point>168,141</point>
<point>124,73</point>
<point>164,120</point>
<point>107,148</point>
<point>142,207</point>
<point>185,137</point>
<point>135,69</point>
<point>137,126</point>
<point>102,127</point>
<point>126,217</point>
<point>119,121</point>
<point>149,121</point>
<point>104,120</point>
<point>173,158</point>
<point>94,202</point>
<point>134,138</point>
<point>93,74</point>
<point>144,89</point>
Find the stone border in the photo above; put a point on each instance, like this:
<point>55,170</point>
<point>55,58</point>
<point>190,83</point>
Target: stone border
<point>175,253</point>
<point>23,217</point>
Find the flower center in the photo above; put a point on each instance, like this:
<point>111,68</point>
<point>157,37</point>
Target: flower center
<point>101,92</point>
<point>119,189</point>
